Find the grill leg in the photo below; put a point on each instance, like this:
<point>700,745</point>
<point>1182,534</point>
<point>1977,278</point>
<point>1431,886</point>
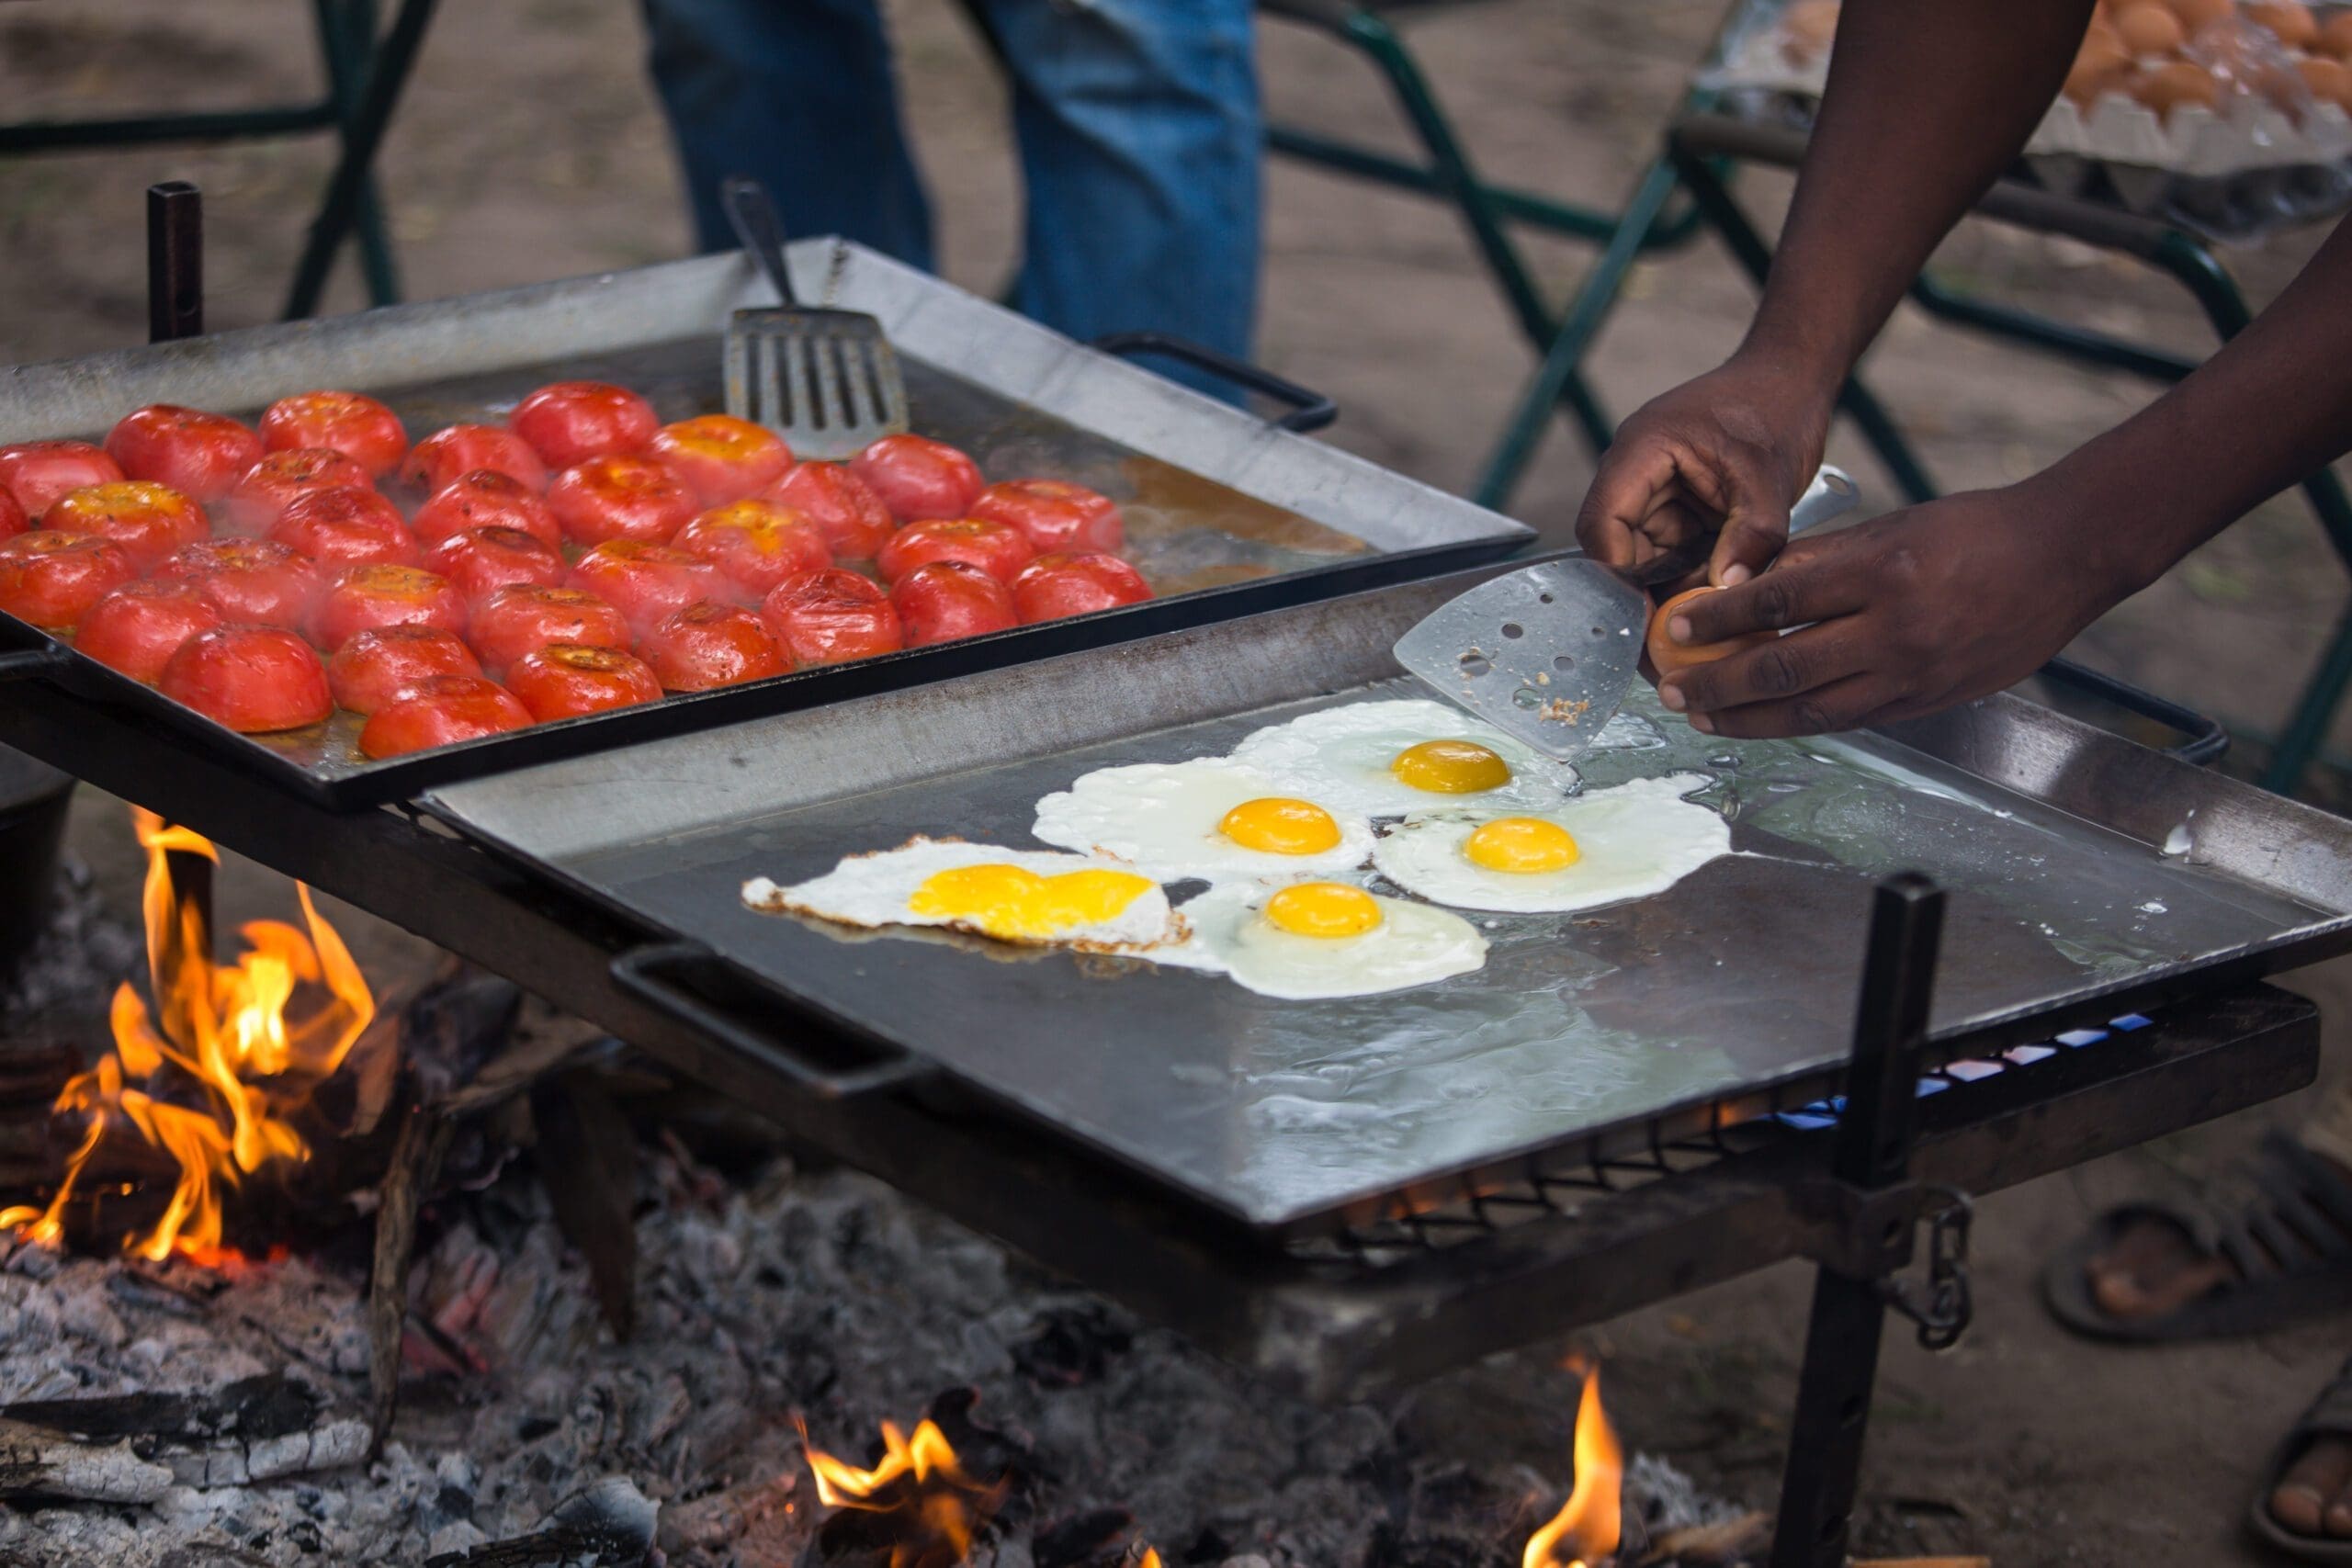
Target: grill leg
<point>1872,1152</point>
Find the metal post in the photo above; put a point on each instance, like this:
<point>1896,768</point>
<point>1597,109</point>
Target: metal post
<point>1872,1152</point>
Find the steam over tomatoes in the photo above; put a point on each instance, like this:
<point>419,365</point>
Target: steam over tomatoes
<point>755,544</point>
<point>460,449</point>
<point>363,597</point>
<point>518,620</point>
<point>350,423</point>
<point>843,506</point>
<point>996,548</point>
<point>484,498</point>
<point>275,483</point>
<point>347,527</point>
<point>483,561</point>
<point>198,453</point>
<point>646,582</point>
<point>259,581</point>
<point>147,519</point>
<point>1055,514</point>
<point>621,497</point>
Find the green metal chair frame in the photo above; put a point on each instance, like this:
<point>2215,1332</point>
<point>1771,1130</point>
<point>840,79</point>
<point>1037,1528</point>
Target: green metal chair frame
<point>366,71</point>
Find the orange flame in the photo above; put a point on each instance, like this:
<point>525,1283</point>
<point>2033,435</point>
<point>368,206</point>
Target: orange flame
<point>919,1477</point>
<point>225,1027</point>
<point>1584,1532</point>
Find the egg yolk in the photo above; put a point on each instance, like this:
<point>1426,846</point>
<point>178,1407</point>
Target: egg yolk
<point>1281,827</point>
<point>1450,767</point>
<point>1323,909</point>
<point>1521,845</point>
<point>1010,901</point>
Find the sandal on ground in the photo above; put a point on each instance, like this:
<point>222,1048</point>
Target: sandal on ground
<point>2330,1415</point>
<point>2289,1240</point>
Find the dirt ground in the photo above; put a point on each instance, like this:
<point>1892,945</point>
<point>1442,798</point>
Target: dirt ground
<point>529,148</point>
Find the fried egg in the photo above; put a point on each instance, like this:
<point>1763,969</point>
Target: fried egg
<point>1305,940</point>
<point>1208,817</point>
<point>1029,897</point>
<point>1605,846</point>
<point>1389,758</point>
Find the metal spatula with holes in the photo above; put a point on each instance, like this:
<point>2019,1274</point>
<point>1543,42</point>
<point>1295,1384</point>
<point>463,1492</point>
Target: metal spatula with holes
<point>1547,653</point>
<point>826,381</point>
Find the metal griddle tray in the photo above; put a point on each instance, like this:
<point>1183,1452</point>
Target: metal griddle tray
<point>1227,514</point>
<point>1579,1028</point>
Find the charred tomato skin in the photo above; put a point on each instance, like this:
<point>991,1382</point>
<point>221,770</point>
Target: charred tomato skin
<point>515,620</point>
<point>843,507</point>
<point>720,457</point>
<point>252,679</point>
<point>148,518</point>
<point>345,527</point>
<point>256,581</point>
<point>918,477</point>
<point>569,422</point>
<point>483,561</point>
<point>441,711</point>
<point>1056,585</point>
<point>646,582</point>
<point>35,473</point>
<point>353,423</point>
<point>1057,516</point>
<point>831,616</point>
<point>997,548</point>
<point>50,578</point>
<point>264,493</point>
<point>484,498</point>
<point>565,680</point>
<point>380,666</point>
<point>200,454</point>
<point>361,598</point>
<point>625,496</point>
<point>459,449</point>
<point>137,628</point>
<point>948,600</point>
<point>708,645</point>
<point>755,544</point>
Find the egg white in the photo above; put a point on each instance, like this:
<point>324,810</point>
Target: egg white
<point>1162,818</point>
<point>1340,756</point>
<point>873,890</point>
<point>1634,839</point>
<point>1413,945</point>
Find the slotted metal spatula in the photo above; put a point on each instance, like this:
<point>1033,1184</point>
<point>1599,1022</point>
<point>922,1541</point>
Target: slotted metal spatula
<point>1547,653</point>
<point>826,381</point>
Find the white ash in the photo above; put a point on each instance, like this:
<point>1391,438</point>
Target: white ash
<point>82,951</point>
<point>825,1295</point>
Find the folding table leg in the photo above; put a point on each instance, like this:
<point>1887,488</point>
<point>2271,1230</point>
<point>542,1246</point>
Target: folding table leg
<point>347,40</point>
<point>363,134</point>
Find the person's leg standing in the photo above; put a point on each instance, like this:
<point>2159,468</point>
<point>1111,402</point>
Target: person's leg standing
<point>1141,142</point>
<point>797,94</point>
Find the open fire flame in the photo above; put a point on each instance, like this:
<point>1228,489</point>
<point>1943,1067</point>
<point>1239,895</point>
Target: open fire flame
<point>235,1048</point>
<point>1584,1532</point>
<point>940,1509</point>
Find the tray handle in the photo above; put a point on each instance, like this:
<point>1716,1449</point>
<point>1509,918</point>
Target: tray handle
<point>1310,410</point>
<point>2207,741</point>
<point>655,975</point>
<point>32,663</point>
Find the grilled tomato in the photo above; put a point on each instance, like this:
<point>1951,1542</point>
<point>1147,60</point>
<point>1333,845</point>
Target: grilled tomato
<point>565,680</point>
<point>755,544</point>
<point>278,480</point>
<point>350,423</point>
<point>483,561</point>
<point>460,449</point>
<point>441,711</point>
<point>707,645</point>
<point>361,597</point>
<point>645,582</point>
<point>198,453</point>
<point>484,498</point>
<point>380,666</point>
<point>51,578</point>
<point>347,527</point>
<point>997,548</point>
<point>721,457</point>
<point>259,581</point>
<point>137,628</point>
<point>35,473</point>
<point>1057,585</point>
<point>515,620</point>
<point>628,496</point>
<point>950,599</point>
<point>919,477</point>
<point>831,616</point>
<point>571,421</point>
<point>148,519</point>
<point>843,506</point>
<point>1055,514</point>
<point>252,679</point>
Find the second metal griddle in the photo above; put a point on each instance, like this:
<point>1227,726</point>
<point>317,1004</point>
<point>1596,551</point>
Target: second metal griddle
<point>1291,1115</point>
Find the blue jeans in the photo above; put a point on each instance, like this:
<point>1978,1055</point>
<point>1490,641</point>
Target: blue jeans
<point>1137,119</point>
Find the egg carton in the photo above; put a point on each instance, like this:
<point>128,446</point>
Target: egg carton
<point>2235,174</point>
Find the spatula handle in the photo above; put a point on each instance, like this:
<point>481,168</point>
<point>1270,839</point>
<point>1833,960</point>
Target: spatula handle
<point>756,224</point>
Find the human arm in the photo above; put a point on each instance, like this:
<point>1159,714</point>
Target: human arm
<point>1927,102</point>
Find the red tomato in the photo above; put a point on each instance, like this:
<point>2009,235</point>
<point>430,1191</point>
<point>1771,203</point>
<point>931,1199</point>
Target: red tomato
<point>755,544</point>
<point>997,548</point>
<point>252,679</point>
<point>35,473</point>
<point>1057,585</point>
<point>380,666</point>
<point>348,527</point>
<point>621,497</point>
<point>482,560</point>
<point>460,449</point>
<point>365,596</point>
<point>950,599</point>
<point>484,500</point>
<point>516,620</point>
<point>350,423</point>
<point>919,477</point>
<point>147,520</point>
<point>564,680</point>
<point>12,520</point>
<point>845,507</point>
<point>831,616</point>
<point>721,457</point>
<point>708,645</point>
<point>280,479</point>
<point>198,453</point>
<point>50,578</point>
<point>137,628</point>
<point>646,582</point>
<point>571,421</point>
<point>256,581</point>
<point>1055,516</point>
<point>442,711</point>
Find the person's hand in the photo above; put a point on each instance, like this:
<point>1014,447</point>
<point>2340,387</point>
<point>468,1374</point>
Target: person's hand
<point>1723,455</point>
<point>1901,616</point>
